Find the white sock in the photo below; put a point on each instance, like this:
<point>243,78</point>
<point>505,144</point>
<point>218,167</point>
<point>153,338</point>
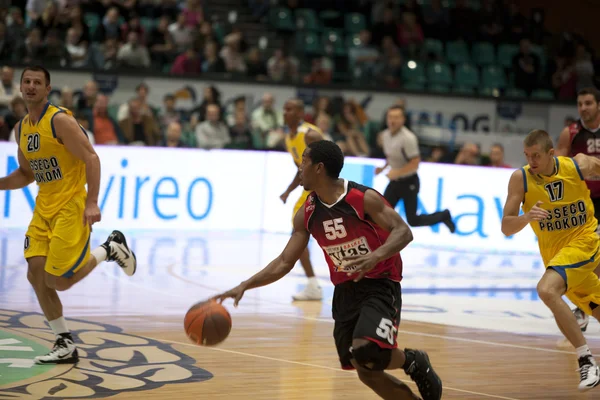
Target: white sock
<point>99,254</point>
<point>583,351</point>
<point>312,281</point>
<point>59,325</point>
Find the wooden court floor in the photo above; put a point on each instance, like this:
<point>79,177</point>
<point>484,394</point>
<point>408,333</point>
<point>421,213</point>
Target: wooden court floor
<point>132,345</point>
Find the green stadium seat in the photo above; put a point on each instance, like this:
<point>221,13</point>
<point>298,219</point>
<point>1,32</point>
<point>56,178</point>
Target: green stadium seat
<point>542,94</point>
<point>413,73</point>
<point>148,24</point>
<point>483,53</point>
<point>515,93</point>
<point>439,73</point>
<point>306,19</point>
<point>465,90</point>
<point>433,46</point>
<point>281,19</point>
<point>352,41</point>
<point>457,52</point>
<point>466,75</point>
<point>308,43</point>
<point>438,88</point>
<point>354,22</point>
<point>333,42</point>
<point>328,17</point>
<point>489,91</point>
<point>506,53</point>
<point>493,76</point>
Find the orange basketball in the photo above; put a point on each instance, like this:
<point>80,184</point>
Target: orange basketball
<point>207,323</point>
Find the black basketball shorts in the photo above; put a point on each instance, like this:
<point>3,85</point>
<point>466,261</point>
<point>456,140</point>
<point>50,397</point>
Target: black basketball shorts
<point>367,309</point>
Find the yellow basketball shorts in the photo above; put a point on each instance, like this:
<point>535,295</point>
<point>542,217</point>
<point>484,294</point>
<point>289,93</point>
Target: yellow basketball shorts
<point>299,203</point>
<point>63,239</point>
<point>576,264</point>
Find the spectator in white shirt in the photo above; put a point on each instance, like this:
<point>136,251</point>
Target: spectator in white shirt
<point>133,54</point>
<point>9,88</point>
<point>212,133</point>
<point>181,33</point>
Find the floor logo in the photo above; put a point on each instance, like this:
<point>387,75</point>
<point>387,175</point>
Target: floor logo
<point>111,361</point>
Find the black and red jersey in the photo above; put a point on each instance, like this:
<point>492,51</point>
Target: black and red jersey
<point>342,230</point>
<point>587,142</point>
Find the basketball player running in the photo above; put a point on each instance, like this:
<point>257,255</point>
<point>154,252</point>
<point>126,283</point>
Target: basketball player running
<point>55,152</point>
<point>299,134</point>
<point>361,236</point>
<point>557,204</point>
<point>584,137</point>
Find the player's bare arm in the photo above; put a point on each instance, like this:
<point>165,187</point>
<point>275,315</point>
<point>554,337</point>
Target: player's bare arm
<point>388,219</point>
<point>512,222</point>
<point>279,267</point>
<point>563,147</point>
<point>412,166</point>
<point>70,134</point>
<point>588,165</point>
<point>20,177</point>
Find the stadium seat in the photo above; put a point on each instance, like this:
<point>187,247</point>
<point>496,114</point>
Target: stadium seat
<point>515,93</point>
<point>465,90</point>
<point>413,73</point>
<point>457,52</point>
<point>439,73</point>
<point>148,24</point>
<point>438,88</point>
<point>281,19</point>
<point>506,53</point>
<point>493,76</point>
<point>333,42</point>
<point>352,41</point>
<point>542,94</point>
<point>92,20</point>
<point>308,43</point>
<point>483,53</point>
<point>354,22</point>
<point>306,19</point>
<point>489,91</point>
<point>433,46</point>
<point>329,17</point>
<point>466,75</point>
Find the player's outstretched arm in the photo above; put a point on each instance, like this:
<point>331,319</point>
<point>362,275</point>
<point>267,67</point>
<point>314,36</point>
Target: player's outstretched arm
<point>588,166</point>
<point>563,147</point>
<point>388,219</point>
<point>512,222</point>
<point>20,177</point>
<point>277,268</point>
<point>71,135</point>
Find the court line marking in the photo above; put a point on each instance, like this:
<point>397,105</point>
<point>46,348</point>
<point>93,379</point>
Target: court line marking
<point>492,396</point>
<point>413,333</point>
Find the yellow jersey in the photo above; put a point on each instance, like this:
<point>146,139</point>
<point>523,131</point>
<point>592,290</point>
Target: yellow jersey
<point>59,174</point>
<point>566,196</point>
<point>296,145</point>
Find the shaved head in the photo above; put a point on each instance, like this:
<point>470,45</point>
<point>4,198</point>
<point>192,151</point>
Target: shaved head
<point>296,103</point>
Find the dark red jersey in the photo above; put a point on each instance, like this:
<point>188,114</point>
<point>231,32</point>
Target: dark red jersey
<point>343,230</point>
<point>587,142</point>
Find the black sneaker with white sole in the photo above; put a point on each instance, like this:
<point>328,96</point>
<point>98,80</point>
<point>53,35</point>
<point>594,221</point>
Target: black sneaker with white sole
<point>118,251</point>
<point>63,352</point>
<point>421,372</point>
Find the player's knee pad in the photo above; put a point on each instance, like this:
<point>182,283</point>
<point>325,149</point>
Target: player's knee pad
<point>371,356</point>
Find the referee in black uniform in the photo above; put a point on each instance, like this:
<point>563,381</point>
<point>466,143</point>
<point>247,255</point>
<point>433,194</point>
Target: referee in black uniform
<point>401,149</point>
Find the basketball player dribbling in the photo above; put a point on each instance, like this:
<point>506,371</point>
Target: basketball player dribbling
<point>584,137</point>
<point>556,203</point>
<point>55,152</point>
<point>299,134</point>
<point>361,236</point>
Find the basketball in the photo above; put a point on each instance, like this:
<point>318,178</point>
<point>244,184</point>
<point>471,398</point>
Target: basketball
<point>207,323</point>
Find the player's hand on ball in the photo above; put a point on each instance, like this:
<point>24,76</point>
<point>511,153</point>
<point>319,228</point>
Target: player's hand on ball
<point>236,294</point>
<point>360,265</point>
<point>536,213</point>
<point>91,214</point>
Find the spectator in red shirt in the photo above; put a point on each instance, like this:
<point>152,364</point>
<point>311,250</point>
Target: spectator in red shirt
<point>188,63</point>
<point>497,156</point>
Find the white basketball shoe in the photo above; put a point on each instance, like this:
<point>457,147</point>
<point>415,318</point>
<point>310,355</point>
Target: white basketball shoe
<point>63,352</point>
<point>589,373</point>
<point>118,251</point>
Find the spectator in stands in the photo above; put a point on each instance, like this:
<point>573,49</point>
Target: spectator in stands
<point>364,57</point>
<point>32,50</point>
<point>133,25</point>
<point>266,119</point>
<point>139,128</point>
<point>141,93</point>
<point>410,34</point>
<point>84,122</point>
<point>18,111</point>
<point>181,33</point>
<point>74,19</point>
<point>187,63</point>
<point>469,154</point>
<point>90,91</point>
<point>436,20</point>
<point>110,27</point>
<point>350,126</point>
<point>239,106</point>
<point>584,69</point>
<point>34,9</point>
<point>232,53</point>
<point>109,50</point>
<point>169,114</point>
<point>6,46</point>
<point>172,136</point>
<point>564,79</point>
<point>56,52</point>
<point>133,54</point>
<point>66,98</point>
<point>106,129</point>
<point>321,105</point>
<point>212,133</point>
<point>437,154</point>
<point>497,156</point>
<point>193,13</point>
<point>324,123</point>
<point>255,66</point>
<point>211,96</point>
<point>412,7</point>
<point>204,36</point>
<point>282,66</point>
<point>386,28</point>
<point>9,88</point>
<point>239,132</point>
<point>526,67</point>
<point>16,30</point>
<point>212,62</point>
<point>77,49</point>
<point>48,19</point>
<point>321,71</point>
<point>160,43</point>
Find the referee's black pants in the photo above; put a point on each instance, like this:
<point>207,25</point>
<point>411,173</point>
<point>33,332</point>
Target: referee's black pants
<point>407,189</point>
